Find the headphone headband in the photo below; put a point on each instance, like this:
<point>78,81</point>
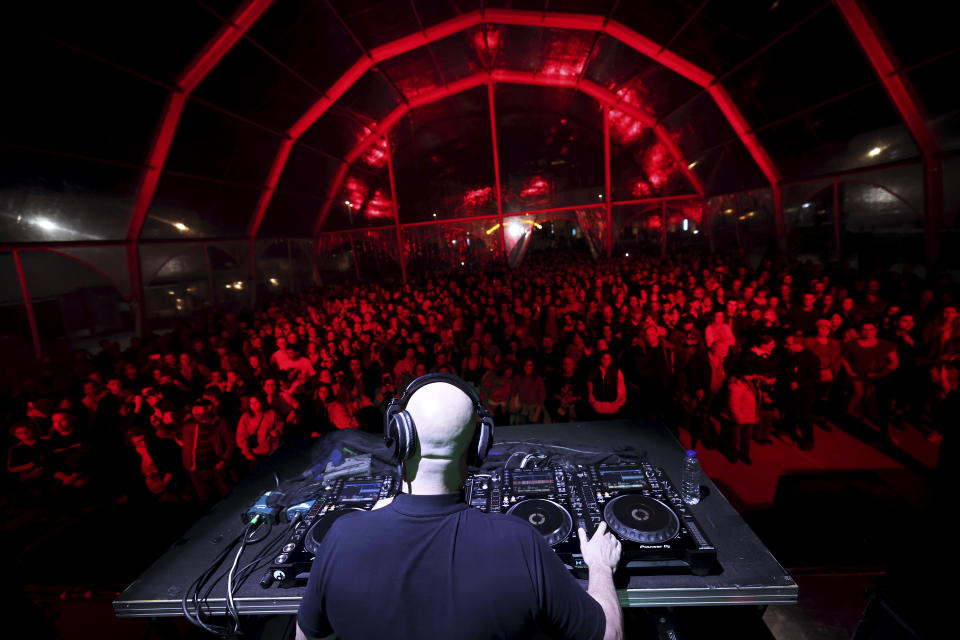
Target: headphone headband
<point>400,431</point>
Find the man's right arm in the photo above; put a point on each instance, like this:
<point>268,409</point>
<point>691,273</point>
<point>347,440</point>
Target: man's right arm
<point>601,553</point>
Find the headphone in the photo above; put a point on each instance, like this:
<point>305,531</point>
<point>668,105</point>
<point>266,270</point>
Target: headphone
<point>400,432</point>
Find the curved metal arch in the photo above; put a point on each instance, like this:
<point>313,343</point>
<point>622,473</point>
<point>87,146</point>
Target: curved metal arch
<point>126,297</point>
<point>604,96</point>
<point>582,22</point>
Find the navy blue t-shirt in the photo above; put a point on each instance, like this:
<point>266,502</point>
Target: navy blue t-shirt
<point>432,567</point>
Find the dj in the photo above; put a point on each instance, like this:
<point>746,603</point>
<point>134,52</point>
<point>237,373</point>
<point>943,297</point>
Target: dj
<point>429,566</point>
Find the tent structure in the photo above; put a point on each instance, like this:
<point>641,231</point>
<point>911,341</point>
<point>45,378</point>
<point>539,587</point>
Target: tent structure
<point>163,156</point>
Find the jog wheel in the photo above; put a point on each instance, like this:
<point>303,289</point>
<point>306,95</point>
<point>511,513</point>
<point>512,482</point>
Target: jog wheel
<point>641,519</point>
<point>319,529</point>
<point>550,519</point>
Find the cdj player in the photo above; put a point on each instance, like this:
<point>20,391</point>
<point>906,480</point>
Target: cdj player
<point>657,532</point>
<point>338,498</point>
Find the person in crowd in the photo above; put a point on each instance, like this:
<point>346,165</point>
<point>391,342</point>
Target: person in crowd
<point>530,395</point>
<point>259,430</point>
<point>802,379</point>
<point>606,388</point>
<point>827,349</point>
<point>208,444</point>
<point>566,398</point>
<point>70,456</point>
<point>158,462</point>
<point>869,362</point>
<point>742,414</point>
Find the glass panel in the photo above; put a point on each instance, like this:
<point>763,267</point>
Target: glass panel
<point>660,21</point>
<point>793,74</point>
<point>699,125</point>
<point>461,54</point>
<point>432,12</point>
<point>46,198</point>
<point>61,100</point>
<point>335,264</point>
<point>548,158</point>
<point>371,96</point>
<point>72,301</point>
<point>637,228</point>
<point>724,33</point>
<point>808,216</point>
<point>212,144</point>
<point>645,170</point>
<point>757,228</point>
<point>15,338</point>
<point>443,159</point>
<point>249,83</point>
<point>290,215</point>
<point>857,131</point>
<point>881,217</point>
<point>284,266</point>
<point>143,43</point>
<point>950,237</point>
<point>110,261</point>
<point>364,200</point>
<point>518,48</point>
<point>375,251</point>
<point>175,282</point>
<point>413,73</point>
<point>230,270</point>
<point>184,206</point>
<point>725,233</point>
<point>309,39</point>
<point>463,244</point>
<point>937,97</point>
<point>534,233</point>
<point>728,168</point>
<point>377,22</point>
<point>307,173</point>
<point>337,132</point>
<point>684,225</point>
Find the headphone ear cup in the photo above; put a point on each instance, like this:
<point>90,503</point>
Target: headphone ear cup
<point>482,441</point>
<point>404,436</point>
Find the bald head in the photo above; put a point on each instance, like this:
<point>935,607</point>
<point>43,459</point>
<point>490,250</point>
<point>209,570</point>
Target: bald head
<point>444,417</point>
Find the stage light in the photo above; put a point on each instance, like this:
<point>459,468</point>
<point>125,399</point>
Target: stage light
<point>45,224</point>
<point>807,205</point>
<point>274,282</point>
<point>686,224</point>
<point>228,286</point>
<point>728,210</point>
<point>348,203</point>
<point>626,255</point>
<point>696,231</point>
<point>873,153</point>
<point>434,215</point>
<point>173,293</point>
<point>453,242</point>
<point>181,227</point>
<point>462,263</point>
<point>493,228</point>
<point>692,165</point>
<point>238,285</point>
<point>600,195</point>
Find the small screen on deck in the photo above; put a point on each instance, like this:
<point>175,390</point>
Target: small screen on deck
<point>526,482</point>
<point>626,478</point>
<point>360,490</point>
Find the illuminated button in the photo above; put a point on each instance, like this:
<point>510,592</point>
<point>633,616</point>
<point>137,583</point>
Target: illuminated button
<point>513,498</point>
<point>606,494</point>
<point>287,548</point>
<point>282,558</point>
<point>599,495</point>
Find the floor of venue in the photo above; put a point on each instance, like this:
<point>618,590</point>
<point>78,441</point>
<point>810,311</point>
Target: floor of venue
<point>837,517</point>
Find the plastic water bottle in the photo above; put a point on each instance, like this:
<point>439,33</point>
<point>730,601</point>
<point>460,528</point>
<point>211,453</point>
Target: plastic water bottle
<point>690,478</point>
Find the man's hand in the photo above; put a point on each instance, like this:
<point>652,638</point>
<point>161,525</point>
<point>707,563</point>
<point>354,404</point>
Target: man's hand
<point>600,551</point>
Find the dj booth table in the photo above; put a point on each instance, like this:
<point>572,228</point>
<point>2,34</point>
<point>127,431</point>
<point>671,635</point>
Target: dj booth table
<point>750,574</point>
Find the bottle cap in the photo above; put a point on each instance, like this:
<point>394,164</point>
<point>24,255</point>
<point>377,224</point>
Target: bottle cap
<point>691,453</point>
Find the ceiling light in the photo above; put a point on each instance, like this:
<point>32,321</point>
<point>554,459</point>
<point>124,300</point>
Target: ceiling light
<point>171,292</point>
<point>181,227</point>
<point>600,195</point>
<point>873,153</point>
<point>45,224</point>
<point>274,281</point>
<point>692,165</point>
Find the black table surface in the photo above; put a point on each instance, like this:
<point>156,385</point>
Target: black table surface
<point>750,576</point>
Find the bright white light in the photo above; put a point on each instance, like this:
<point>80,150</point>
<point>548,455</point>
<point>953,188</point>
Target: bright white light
<point>695,231</point>
<point>45,224</point>
<point>453,242</point>
<point>228,286</point>
<point>626,255</point>
<point>686,224</point>
<point>181,227</point>
<point>348,203</point>
<point>691,165</point>
<point>807,205</point>
<point>873,153</point>
<point>172,292</point>
<point>462,263</point>
<point>600,195</point>
<point>513,230</point>
<point>274,281</point>
<point>238,285</point>
<point>434,214</point>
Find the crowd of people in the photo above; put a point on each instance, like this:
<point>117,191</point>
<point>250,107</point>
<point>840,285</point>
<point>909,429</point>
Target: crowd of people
<point>732,353</point>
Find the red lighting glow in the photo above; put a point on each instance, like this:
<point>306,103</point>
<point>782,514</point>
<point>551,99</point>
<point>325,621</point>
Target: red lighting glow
<point>565,53</point>
<point>412,85</point>
<point>658,165</point>
<point>486,42</point>
<point>626,129</point>
<point>379,206</point>
<point>535,186</point>
<point>376,155</point>
<point>475,198</point>
<point>355,192</point>
<point>652,222</point>
<point>640,188</point>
